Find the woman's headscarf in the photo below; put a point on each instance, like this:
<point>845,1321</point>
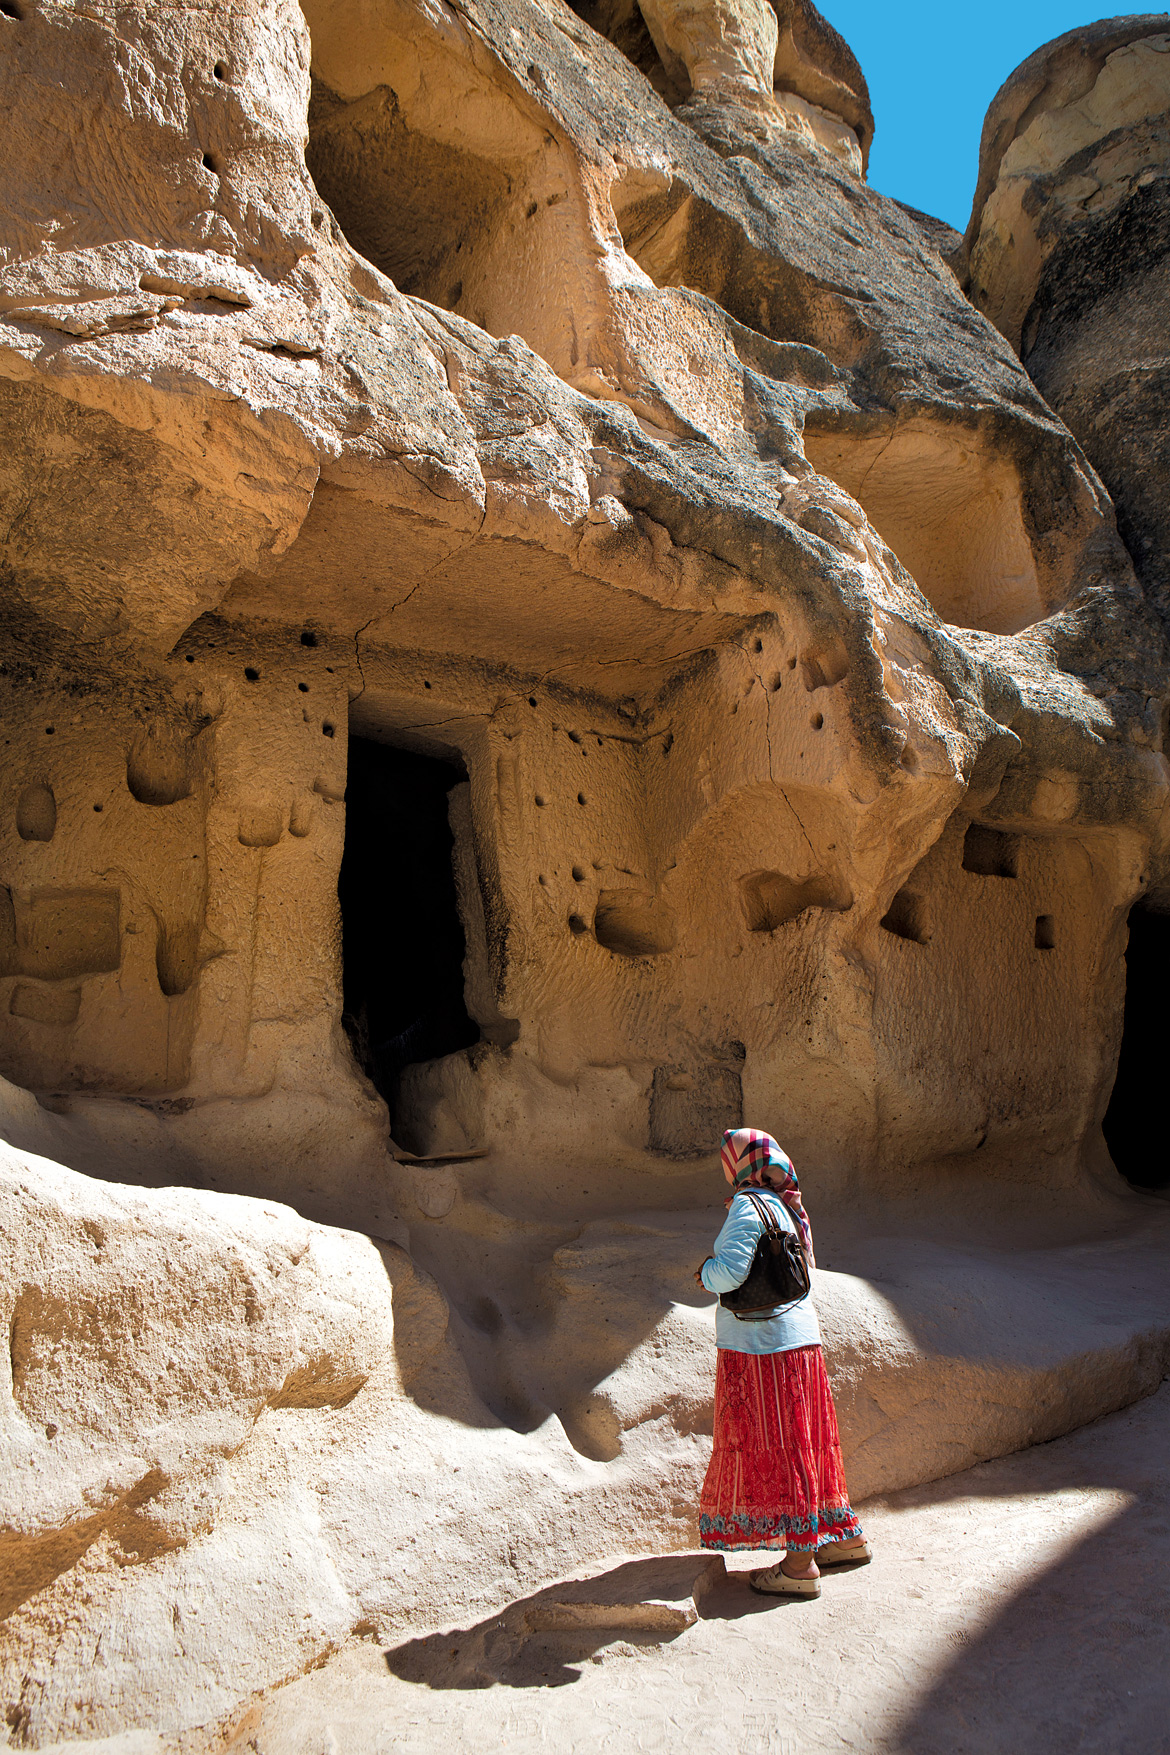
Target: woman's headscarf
<point>752,1159</point>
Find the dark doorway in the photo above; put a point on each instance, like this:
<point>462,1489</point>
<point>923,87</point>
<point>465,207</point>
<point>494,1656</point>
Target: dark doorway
<point>402,940</point>
<point>1135,1125</point>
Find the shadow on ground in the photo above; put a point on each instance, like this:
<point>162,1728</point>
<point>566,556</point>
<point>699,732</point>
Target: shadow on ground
<point>542,1640</point>
<point>545,1640</point>
<point>1078,1659</point>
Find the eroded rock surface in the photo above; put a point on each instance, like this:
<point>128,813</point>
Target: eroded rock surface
<point>1068,250</point>
<point>231,1439</point>
<point>599,476</point>
<point>507,461</point>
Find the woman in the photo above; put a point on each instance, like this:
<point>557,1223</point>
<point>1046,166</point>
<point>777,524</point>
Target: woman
<point>775,1479</point>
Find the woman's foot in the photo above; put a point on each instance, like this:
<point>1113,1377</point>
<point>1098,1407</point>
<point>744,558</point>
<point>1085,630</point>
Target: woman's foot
<point>795,1576</point>
<point>856,1550</point>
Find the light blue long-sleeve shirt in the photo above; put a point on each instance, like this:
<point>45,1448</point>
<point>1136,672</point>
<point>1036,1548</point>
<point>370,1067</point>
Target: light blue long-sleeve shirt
<point>794,1325</point>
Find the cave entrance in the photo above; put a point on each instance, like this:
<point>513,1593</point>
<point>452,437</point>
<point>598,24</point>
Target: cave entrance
<point>1135,1124</point>
<point>402,938</point>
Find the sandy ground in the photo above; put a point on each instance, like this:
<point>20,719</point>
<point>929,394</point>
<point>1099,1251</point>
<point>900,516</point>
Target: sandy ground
<point>1022,1607</point>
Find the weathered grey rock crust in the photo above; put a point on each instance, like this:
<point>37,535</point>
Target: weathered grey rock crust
<point>1069,238</point>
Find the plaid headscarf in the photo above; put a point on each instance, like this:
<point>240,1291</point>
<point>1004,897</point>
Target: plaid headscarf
<point>754,1160</point>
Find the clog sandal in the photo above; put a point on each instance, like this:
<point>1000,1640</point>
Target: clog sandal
<point>837,1554</point>
<point>775,1582</point>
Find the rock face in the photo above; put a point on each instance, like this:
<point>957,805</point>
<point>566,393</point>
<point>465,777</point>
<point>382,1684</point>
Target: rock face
<point>539,619</point>
<point>231,1439</point>
<point>1069,246</point>
<point>647,467</point>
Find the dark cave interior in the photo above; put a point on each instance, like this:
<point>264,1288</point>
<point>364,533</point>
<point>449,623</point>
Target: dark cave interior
<point>1134,1123</point>
<point>402,939</point>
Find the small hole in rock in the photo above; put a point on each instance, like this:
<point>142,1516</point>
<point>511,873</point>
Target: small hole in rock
<point>303,687</point>
<point>775,681</point>
<point>991,852</point>
<point>792,664</point>
<point>49,730</point>
<point>97,807</point>
<point>327,729</point>
<point>907,918</point>
<point>158,768</point>
<point>574,737</point>
<point>578,875</point>
<point>308,638</point>
<point>540,798</point>
<point>532,700</point>
<point>542,880</point>
<point>771,899</point>
<point>209,164</point>
<point>1045,932</point>
<point>577,926</point>
<point>757,645</point>
<point>220,70</point>
<point>252,674</point>
<point>580,798</point>
<point>817,720</point>
<point>824,669</point>
<point>317,218</point>
<point>36,813</point>
<point>190,657</point>
<point>634,923</point>
<point>426,685</point>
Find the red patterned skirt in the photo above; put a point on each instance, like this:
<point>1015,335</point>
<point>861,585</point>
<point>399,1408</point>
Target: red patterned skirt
<point>775,1479</point>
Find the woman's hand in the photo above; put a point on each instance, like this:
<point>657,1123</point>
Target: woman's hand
<point>698,1276</point>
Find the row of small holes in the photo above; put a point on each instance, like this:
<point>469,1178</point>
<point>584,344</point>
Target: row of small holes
<point>308,638</point>
<point>209,161</point>
<point>253,675</point>
<point>1044,935</point>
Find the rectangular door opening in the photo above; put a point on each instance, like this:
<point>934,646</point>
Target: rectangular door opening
<point>402,938</point>
<point>1134,1123</point>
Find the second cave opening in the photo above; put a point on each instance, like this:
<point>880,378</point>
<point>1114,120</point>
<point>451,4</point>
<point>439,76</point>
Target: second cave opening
<point>1134,1123</point>
<point>402,938</point>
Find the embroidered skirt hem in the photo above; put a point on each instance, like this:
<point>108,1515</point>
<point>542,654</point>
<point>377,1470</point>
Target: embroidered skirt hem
<point>775,1479</point>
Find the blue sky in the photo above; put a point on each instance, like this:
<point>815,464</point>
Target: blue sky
<point>933,67</point>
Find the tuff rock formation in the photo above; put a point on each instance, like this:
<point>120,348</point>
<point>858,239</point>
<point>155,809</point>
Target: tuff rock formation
<point>1067,254</point>
<point>494,486</point>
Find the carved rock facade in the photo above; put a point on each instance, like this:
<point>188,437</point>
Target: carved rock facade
<point>501,465</point>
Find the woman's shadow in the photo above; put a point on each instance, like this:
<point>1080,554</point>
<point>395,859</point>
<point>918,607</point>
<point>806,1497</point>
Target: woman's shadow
<point>543,1640</point>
